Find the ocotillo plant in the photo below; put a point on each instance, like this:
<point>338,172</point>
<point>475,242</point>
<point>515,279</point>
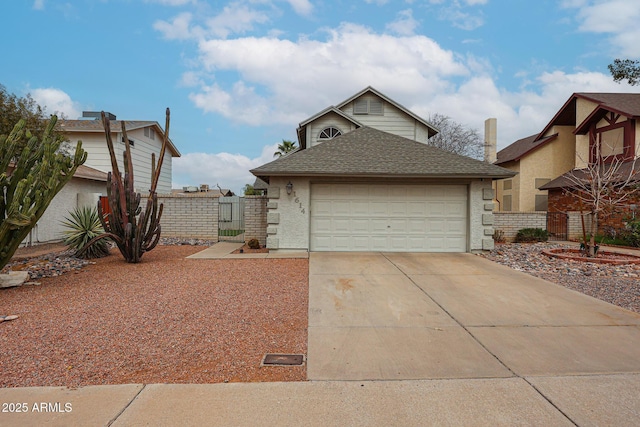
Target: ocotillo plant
<point>32,172</point>
<point>134,231</point>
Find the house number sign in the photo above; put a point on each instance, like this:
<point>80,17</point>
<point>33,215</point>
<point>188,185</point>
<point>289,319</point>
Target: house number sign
<point>297,200</point>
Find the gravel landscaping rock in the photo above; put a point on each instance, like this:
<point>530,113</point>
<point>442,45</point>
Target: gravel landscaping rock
<point>165,320</point>
<point>616,284</point>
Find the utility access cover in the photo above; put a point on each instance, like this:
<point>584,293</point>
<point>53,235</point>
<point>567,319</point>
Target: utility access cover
<point>283,359</point>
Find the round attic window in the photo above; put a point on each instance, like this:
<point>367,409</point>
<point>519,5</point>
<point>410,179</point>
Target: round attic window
<point>329,133</point>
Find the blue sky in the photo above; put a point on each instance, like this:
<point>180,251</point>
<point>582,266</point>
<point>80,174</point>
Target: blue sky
<point>240,75</point>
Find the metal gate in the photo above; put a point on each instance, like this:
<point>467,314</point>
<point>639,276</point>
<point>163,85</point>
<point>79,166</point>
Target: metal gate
<point>557,225</point>
<point>231,219</point>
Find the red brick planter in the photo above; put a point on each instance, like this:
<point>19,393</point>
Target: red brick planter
<point>576,255</point>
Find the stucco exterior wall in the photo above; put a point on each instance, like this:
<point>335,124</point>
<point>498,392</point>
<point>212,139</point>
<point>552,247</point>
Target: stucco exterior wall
<point>288,214</point>
<point>514,192</point>
<point>75,193</point>
<point>547,162</point>
<point>480,215</point>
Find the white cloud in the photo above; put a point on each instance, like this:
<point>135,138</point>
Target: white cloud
<point>302,7</point>
<point>619,18</point>
<point>38,5</point>
<point>235,19</point>
<point>172,2</point>
<point>56,101</point>
<point>277,75</point>
<point>225,169</point>
<point>179,28</point>
<point>405,24</point>
<point>378,2</point>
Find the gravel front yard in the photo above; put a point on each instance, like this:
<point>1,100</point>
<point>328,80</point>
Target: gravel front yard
<point>165,320</point>
<point>616,284</point>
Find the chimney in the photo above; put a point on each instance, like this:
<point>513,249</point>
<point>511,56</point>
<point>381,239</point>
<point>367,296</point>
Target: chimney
<point>490,140</point>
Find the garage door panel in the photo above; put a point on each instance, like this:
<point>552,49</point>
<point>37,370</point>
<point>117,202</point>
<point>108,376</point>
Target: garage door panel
<point>369,217</point>
<point>321,225</point>
<point>341,225</point>
<point>379,209</point>
<point>359,208</point>
<point>398,209</point>
<point>360,226</point>
<point>379,226</point>
<point>320,208</point>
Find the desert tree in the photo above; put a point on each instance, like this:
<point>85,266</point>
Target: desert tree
<point>456,138</point>
<point>605,184</point>
<point>625,69</point>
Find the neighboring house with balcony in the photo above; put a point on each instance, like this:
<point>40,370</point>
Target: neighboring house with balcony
<point>567,143</point>
<point>365,179</point>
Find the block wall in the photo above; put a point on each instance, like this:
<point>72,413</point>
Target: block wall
<point>255,218</point>
<point>192,216</point>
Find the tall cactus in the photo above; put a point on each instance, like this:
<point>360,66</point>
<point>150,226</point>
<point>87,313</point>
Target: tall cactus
<point>133,230</point>
<point>33,172</point>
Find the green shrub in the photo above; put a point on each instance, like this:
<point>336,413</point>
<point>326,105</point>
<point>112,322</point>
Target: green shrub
<point>631,233</point>
<point>253,244</point>
<point>532,235</point>
<point>83,226</point>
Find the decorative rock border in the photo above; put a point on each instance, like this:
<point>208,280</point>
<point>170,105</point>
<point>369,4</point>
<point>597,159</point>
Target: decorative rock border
<point>565,253</point>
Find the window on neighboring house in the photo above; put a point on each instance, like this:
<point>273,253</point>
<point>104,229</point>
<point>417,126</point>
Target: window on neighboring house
<point>150,133</point>
<point>329,133</point>
<point>506,203</point>
<point>615,141</point>
<point>131,141</point>
<point>368,106</point>
<point>542,201</point>
<point>507,184</point>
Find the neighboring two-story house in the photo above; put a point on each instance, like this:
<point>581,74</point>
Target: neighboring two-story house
<point>567,143</point>
<point>89,182</point>
<point>145,138</point>
<point>365,179</point>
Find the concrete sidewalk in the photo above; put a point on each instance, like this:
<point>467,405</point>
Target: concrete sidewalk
<point>223,250</point>
<point>404,339</point>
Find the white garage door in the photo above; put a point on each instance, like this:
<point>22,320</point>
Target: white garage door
<point>387,217</point>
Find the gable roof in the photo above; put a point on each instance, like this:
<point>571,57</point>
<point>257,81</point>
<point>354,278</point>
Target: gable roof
<point>368,152</point>
<point>520,148</point>
<point>432,130</point>
<point>95,126</point>
<point>627,104</point>
<point>86,172</point>
<point>302,137</point>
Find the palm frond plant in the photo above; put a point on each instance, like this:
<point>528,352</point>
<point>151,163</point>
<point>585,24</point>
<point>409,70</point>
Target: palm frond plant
<point>83,226</point>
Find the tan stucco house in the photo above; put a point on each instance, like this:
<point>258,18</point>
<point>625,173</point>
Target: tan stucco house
<point>567,143</point>
<point>365,179</point>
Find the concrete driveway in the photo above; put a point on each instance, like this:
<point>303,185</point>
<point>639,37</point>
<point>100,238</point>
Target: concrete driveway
<point>390,316</point>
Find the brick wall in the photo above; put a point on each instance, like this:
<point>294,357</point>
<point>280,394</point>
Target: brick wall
<point>255,218</point>
<point>193,215</point>
<point>510,222</point>
<point>562,201</point>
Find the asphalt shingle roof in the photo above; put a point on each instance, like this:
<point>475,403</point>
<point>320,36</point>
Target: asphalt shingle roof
<point>627,103</point>
<point>371,152</point>
<point>522,146</point>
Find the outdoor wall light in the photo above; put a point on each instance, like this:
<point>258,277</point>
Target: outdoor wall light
<point>289,187</point>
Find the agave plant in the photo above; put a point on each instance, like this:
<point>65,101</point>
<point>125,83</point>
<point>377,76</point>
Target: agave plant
<point>82,227</point>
